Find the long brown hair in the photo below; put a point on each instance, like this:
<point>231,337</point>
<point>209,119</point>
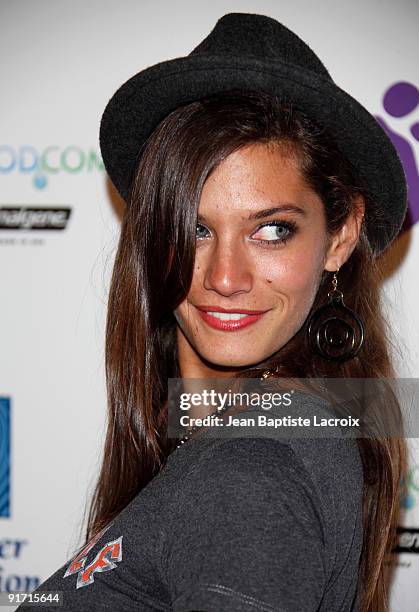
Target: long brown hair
<point>152,274</point>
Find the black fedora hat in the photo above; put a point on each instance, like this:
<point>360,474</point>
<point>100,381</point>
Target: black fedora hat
<point>257,52</point>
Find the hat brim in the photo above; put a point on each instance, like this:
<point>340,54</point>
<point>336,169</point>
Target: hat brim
<point>141,103</point>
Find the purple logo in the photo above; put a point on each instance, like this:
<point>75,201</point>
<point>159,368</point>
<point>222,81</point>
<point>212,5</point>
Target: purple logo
<point>400,100</point>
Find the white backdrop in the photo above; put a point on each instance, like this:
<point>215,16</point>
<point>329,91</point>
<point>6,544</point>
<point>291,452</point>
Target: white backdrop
<point>61,62</point>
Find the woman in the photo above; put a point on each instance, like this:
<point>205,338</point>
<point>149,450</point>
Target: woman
<point>253,183</point>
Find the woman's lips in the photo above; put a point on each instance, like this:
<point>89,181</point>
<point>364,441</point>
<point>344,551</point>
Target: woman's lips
<point>229,325</point>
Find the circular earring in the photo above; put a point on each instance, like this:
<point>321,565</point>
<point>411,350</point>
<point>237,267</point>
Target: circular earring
<point>334,331</point>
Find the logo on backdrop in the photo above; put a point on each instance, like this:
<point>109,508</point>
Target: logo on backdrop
<point>410,488</point>
<point>13,549</point>
<point>407,540</point>
<point>4,457</point>
<point>51,161</point>
<point>401,100</point>
<point>106,559</point>
<point>32,218</point>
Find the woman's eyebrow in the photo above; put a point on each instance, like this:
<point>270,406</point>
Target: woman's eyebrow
<point>267,212</point>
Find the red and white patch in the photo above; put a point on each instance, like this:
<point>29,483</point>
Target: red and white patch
<point>106,559</point>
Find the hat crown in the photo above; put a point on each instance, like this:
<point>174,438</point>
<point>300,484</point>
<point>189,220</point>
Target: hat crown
<point>247,34</point>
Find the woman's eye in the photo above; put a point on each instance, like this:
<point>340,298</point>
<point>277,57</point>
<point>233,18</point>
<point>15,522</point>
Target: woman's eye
<point>275,231</point>
<point>200,231</point>
<point>271,233</point>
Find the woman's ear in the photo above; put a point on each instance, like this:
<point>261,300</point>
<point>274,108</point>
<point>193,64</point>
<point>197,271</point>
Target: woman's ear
<point>344,241</point>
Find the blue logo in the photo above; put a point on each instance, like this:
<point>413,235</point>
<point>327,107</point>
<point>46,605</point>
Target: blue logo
<point>4,457</point>
<point>409,488</point>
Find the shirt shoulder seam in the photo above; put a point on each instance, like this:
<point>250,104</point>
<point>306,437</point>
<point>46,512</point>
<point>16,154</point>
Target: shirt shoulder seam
<point>238,595</point>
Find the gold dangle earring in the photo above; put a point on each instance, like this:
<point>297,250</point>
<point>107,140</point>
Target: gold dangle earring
<point>269,373</point>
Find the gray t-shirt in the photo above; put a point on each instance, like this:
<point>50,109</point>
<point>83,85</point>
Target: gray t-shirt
<point>230,524</point>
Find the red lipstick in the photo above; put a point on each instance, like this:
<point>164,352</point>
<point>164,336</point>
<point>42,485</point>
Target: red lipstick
<point>229,324</point>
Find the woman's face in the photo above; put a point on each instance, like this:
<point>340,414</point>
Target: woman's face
<point>250,257</point>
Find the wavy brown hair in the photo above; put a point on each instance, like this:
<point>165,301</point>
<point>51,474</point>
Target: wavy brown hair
<point>153,272</point>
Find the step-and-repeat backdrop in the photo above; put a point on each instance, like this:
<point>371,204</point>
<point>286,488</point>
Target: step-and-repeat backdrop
<point>59,223</point>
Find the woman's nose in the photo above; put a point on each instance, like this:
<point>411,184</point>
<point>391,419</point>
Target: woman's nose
<point>228,269</point>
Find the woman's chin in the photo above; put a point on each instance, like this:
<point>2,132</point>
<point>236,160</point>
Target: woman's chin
<point>235,362</point>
